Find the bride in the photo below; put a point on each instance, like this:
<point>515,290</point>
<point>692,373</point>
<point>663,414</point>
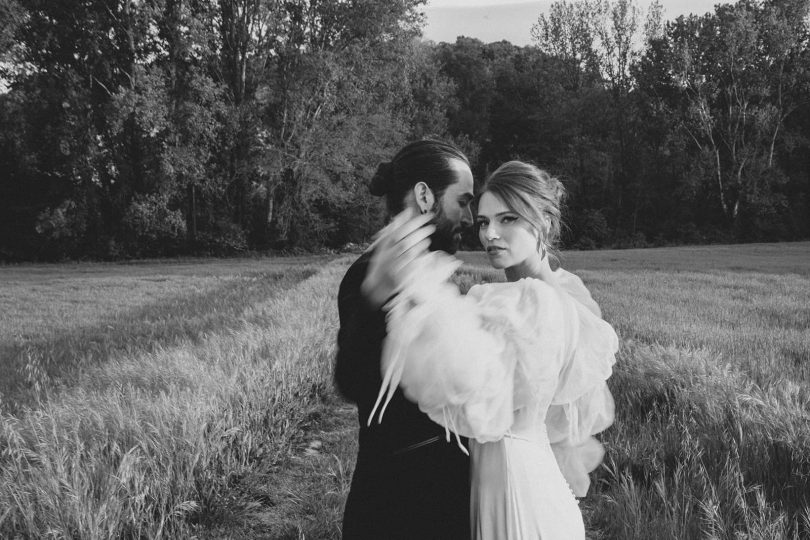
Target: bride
<point>518,367</point>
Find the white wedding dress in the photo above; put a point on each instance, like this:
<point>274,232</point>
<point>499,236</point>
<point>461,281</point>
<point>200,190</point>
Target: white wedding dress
<point>520,369</point>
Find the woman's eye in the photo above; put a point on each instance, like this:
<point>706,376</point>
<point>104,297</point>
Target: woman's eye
<point>482,224</point>
<point>508,219</point>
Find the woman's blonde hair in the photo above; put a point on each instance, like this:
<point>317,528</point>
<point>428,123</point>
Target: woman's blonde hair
<point>534,195</point>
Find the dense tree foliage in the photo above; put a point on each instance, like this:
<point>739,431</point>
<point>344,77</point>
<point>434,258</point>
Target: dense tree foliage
<point>153,127</point>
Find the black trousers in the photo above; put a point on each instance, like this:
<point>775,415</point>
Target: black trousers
<point>421,494</point>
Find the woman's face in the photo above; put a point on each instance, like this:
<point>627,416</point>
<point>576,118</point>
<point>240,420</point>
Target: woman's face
<point>507,238</point>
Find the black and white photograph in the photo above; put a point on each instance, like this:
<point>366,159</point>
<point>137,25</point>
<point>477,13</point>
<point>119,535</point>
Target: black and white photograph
<point>405,269</point>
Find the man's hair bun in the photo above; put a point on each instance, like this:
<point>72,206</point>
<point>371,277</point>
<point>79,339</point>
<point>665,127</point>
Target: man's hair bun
<point>428,160</point>
<point>381,181</point>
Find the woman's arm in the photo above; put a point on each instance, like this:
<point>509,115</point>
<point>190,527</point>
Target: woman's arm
<point>469,360</point>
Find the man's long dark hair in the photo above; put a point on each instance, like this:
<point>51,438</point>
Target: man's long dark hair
<point>427,161</point>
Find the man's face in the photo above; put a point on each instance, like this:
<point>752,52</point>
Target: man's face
<point>453,211</point>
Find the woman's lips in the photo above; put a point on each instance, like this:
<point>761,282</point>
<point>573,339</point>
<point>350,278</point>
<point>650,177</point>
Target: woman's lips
<point>492,250</point>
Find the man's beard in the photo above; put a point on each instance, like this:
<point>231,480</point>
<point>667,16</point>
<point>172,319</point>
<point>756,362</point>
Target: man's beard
<point>447,236</point>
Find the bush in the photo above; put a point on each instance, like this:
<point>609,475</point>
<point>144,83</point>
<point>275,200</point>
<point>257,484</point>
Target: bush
<point>151,228</point>
<point>225,238</point>
<point>625,240</point>
<point>62,228</point>
<point>585,243</point>
<point>688,233</point>
<point>64,221</point>
<point>593,229</point>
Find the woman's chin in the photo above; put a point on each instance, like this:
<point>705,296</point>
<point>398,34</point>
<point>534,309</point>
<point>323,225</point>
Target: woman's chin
<point>496,262</point>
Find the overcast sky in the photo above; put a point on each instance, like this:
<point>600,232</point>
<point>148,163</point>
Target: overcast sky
<point>494,20</point>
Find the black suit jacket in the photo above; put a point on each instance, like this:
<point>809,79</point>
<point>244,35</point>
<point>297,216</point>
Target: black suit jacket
<point>398,490</point>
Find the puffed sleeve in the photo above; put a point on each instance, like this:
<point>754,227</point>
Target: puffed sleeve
<point>572,284</point>
<point>470,361</point>
<point>583,405</point>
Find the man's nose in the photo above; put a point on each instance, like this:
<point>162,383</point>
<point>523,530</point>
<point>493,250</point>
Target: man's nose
<point>467,217</point>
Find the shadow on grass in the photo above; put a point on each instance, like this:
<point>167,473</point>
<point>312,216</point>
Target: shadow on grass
<point>302,494</point>
<point>31,369</point>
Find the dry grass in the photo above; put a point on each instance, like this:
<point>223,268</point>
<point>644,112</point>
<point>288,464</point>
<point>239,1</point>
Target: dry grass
<point>149,442</point>
<point>57,320</point>
<point>207,410</point>
<point>712,388</point>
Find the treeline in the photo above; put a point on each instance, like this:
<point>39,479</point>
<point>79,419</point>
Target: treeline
<point>162,127</point>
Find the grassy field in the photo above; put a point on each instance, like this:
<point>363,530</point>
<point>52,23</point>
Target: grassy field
<point>56,319</point>
<point>194,399</point>
<point>136,397</point>
<point>712,388</point>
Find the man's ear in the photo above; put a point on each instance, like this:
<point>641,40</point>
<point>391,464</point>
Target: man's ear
<point>425,200</point>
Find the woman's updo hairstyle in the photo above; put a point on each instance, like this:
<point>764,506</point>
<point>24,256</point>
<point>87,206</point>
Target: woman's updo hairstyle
<point>427,161</point>
<point>534,195</point>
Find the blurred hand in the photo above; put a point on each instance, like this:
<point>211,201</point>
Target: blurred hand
<point>402,241</point>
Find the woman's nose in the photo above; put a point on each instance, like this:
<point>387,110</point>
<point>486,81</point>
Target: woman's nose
<point>491,233</point>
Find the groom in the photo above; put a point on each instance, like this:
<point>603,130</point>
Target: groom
<point>409,482</point>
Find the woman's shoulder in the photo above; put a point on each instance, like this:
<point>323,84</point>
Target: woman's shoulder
<point>525,295</point>
<point>576,289</point>
<point>533,285</point>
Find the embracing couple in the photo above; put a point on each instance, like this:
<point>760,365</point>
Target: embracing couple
<point>477,411</point>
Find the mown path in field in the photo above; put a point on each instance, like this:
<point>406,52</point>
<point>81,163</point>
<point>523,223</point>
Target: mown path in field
<point>301,493</point>
<point>36,361</point>
<point>56,320</point>
<point>713,380</point>
<point>151,438</point>
<point>212,395</point>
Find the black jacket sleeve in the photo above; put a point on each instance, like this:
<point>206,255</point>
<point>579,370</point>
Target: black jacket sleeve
<point>362,331</point>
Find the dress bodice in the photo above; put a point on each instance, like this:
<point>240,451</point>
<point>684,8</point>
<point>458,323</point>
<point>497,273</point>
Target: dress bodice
<point>516,358</point>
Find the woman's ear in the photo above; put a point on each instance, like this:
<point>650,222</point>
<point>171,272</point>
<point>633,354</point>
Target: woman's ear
<point>542,234</point>
<point>425,200</point>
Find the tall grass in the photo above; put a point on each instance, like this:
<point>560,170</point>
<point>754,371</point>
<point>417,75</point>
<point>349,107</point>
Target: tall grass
<point>712,390</point>
<point>145,444</point>
<point>227,400</point>
<point>699,450</point>
<point>68,323</point>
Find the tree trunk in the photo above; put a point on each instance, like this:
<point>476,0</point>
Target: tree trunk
<point>773,144</point>
<point>191,219</point>
<point>269,205</point>
<point>719,170</point>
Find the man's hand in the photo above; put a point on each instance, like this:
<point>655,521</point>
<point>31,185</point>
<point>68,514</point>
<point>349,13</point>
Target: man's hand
<point>403,240</point>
